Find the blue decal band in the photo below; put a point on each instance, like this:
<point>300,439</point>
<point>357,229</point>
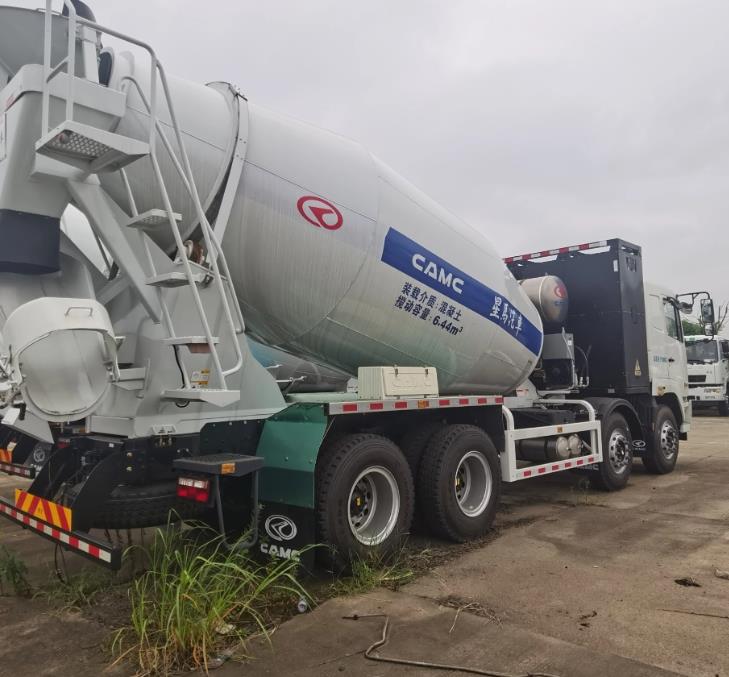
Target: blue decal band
<point>409,257</point>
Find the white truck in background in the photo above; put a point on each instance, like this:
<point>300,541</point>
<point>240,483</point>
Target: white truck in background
<point>708,372</point>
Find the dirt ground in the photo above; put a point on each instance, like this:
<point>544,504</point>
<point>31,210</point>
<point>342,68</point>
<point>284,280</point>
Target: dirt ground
<point>576,583</point>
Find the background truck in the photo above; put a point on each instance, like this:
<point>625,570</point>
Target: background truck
<point>221,221</point>
<point>708,372</point>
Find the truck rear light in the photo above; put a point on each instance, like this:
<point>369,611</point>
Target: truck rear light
<point>193,489</point>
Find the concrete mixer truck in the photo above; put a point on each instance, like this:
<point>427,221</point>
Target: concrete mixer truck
<point>223,220</point>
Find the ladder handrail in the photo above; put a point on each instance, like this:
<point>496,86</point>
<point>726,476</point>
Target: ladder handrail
<point>176,163</point>
<point>208,233</point>
<point>184,169</point>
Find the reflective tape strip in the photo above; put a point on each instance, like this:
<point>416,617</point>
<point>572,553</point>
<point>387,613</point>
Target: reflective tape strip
<point>73,541</point>
<point>554,252</point>
<point>48,511</point>
<point>369,406</point>
<point>19,470</point>
<point>547,468</point>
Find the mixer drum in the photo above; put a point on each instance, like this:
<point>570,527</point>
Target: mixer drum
<point>338,259</point>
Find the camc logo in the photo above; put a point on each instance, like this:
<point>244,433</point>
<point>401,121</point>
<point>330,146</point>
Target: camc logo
<point>280,528</point>
<point>319,213</point>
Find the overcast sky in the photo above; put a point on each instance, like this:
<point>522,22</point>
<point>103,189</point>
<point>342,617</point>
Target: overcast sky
<point>542,122</point>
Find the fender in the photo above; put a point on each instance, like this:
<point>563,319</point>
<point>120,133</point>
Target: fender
<point>604,406</point>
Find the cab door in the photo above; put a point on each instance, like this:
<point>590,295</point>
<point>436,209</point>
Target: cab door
<point>674,347</point>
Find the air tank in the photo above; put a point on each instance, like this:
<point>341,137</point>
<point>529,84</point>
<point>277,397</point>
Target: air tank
<point>549,294</point>
<point>334,256</point>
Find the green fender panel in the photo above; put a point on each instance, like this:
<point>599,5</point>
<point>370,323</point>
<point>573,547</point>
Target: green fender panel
<point>290,444</point>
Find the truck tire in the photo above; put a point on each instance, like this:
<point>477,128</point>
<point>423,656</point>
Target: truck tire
<point>661,454</point>
<point>136,507</point>
<point>459,483</point>
<point>414,442</point>
<point>365,498</point>
<point>617,452</point>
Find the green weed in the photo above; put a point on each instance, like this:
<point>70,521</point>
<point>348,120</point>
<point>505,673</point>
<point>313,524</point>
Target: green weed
<point>13,573</point>
<point>197,598</point>
<point>374,571</point>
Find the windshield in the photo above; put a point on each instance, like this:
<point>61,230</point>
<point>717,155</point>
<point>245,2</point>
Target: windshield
<point>702,351</point>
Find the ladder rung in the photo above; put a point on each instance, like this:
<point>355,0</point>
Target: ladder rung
<point>151,219</point>
<point>219,398</point>
<point>173,279</point>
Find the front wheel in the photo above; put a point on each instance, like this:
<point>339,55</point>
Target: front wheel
<point>617,455</point>
<point>661,455</point>
<point>459,483</point>
<point>365,497</point>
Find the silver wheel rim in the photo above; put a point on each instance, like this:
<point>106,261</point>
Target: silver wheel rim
<point>619,451</point>
<point>374,505</point>
<point>669,440</point>
<point>473,484</point>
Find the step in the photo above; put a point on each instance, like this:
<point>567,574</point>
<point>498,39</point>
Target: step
<point>235,465</point>
<point>218,397</point>
<point>90,148</point>
<point>195,344</point>
<point>174,279</point>
<point>151,220</point>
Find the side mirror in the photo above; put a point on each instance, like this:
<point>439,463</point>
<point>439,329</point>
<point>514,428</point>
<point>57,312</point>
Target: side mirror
<point>709,329</point>
<point>707,312</point>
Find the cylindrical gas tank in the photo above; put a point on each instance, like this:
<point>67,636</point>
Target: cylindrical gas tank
<point>337,258</point>
<point>549,294</point>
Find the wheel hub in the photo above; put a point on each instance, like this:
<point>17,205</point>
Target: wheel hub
<point>374,505</point>
<point>473,484</point>
<point>669,440</point>
<point>619,451</point>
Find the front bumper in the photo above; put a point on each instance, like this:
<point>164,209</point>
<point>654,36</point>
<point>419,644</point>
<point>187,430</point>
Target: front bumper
<point>707,395</point>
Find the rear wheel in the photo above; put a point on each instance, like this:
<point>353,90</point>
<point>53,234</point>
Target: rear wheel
<point>365,497</point>
<point>459,483</point>
<point>415,441</point>
<point>661,455</point>
<point>617,453</point>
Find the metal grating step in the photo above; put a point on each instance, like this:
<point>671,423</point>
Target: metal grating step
<point>90,148</point>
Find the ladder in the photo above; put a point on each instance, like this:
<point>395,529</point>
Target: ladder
<point>96,150</point>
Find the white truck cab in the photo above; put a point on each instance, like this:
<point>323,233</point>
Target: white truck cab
<point>667,366</point>
<point>708,372</point>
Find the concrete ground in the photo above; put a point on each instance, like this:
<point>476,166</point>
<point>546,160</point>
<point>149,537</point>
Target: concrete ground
<point>581,583</point>
<point>576,583</point>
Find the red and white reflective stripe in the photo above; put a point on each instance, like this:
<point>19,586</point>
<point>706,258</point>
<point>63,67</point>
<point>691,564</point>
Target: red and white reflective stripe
<point>19,470</point>
<point>555,466</point>
<point>69,539</point>
<point>369,406</point>
<point>554,252</point>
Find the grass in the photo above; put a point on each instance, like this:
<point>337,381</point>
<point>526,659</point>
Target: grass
<point>375,570</point>
<point>13,573</point>
<point>79,591</point>
<point>198,599</point>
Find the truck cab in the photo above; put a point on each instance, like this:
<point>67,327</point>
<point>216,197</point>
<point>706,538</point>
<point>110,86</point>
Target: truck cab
<point>708,372</point>
<point>667,368</point>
